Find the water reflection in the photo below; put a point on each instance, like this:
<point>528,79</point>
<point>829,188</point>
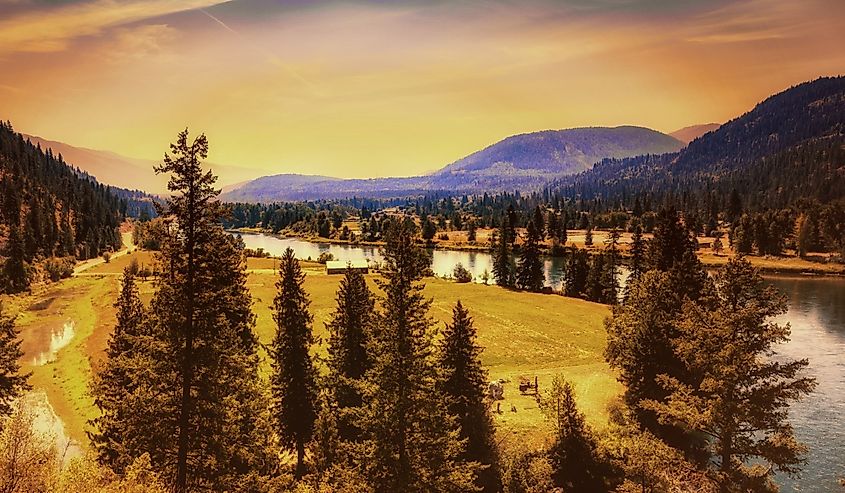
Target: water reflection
<point>59,338</point>
<point>817,317</point>
<point>47,423</point>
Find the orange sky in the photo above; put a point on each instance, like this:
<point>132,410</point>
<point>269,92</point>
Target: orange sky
<point>380,88</point>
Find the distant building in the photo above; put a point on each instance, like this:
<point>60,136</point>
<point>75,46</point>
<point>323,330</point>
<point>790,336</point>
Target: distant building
<point>339,266</point>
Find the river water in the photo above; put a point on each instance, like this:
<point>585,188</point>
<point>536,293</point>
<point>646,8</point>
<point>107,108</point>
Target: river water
<point>816,315</point>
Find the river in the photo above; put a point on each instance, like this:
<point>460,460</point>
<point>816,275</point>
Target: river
<point>816,315</point>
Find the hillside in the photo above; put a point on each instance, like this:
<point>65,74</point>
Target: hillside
<point>131,173</point>
<point>790,146</point>
<point>520,162</point>
<point>48,210</point>
<point>688,134</point>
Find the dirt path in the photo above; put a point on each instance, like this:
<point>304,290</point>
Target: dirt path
<point>128,245</point>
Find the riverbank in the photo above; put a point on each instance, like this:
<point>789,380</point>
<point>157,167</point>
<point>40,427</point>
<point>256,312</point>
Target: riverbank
<point>814,264</point>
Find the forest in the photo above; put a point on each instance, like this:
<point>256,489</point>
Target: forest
<point>398,403</point>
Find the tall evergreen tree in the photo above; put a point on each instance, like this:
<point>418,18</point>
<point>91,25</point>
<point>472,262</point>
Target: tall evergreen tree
<point>464,382</point>
<point>503,268</point>
<point>573,451</point>
<point>637,254</point>
<point>673,250</point>
<point>114,385</point>
<point>577,273</point>
<point>529,274</point>
<point>12,383</point>
<point>412,442</point>
<point>742,396</point>
<point>201,412</point>
<point>15,269</point>
<point>294,377</point>
<point>639,344</point>
<point>350,328</point>
<point>539,222</point>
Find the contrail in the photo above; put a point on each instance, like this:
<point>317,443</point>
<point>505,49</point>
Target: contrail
<point>272,58</point>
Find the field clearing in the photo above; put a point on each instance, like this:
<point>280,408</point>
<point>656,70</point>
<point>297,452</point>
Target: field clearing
<point>524,334</point>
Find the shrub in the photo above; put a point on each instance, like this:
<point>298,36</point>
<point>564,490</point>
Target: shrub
<point>325,257</point>
<point>59,267</point>
<point>107,256</point>
<point>461,274</point>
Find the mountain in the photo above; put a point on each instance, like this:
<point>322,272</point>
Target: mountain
<point>48,209</point>
<point>688,134</point>
<point>790,146</point>
<point>131,173</point>
<point>519,162</point>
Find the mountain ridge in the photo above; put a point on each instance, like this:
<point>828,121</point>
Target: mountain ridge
<point>519,162</point>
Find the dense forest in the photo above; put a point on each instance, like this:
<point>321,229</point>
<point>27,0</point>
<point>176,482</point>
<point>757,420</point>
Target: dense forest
<point>50,211</point>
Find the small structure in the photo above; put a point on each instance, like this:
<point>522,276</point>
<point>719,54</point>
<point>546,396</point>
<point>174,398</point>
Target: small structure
<point>339,266</point>
<point>526,386</point>
<point>496,390</point>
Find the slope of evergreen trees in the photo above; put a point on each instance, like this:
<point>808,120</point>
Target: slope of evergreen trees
<point>48,209</point>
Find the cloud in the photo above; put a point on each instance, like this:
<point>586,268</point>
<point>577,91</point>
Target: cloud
<point>38,28</point>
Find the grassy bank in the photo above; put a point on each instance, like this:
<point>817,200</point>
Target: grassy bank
<point>523,334</point>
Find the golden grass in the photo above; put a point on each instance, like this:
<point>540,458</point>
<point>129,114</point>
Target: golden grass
<point>523,334</point>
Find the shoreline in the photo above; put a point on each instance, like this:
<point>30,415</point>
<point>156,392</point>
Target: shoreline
<point>785,265</point>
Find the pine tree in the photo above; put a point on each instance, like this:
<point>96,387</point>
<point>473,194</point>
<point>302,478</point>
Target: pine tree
<point>539,222</point>
<point>573,452</point>
<point>529,275</point>
<point>562,234</point>
<point>12,383</point>
<point>637,254</point>
<point>412,442</point>
<point>503,269</point>
<point>742,396</point>
<point>577,273</point>
<point>15,269</point>
<point>463,382</point>
<point>639,343</point>
<point>588,237</point>
<point>349,332</point>
<point>673,250</point>
<point>597,289</point>
<point>203,412</point>
<point>293,381</point>
<point>114,385</point>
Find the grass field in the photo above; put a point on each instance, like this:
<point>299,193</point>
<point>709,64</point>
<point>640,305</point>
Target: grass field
<point>523,334</point>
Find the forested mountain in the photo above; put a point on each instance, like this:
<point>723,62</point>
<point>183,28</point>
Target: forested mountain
<point>789,147</point>
<point>130,173</point>
<point>519,162</point>
<point>49,210</point>
<point>561,152</point>
<point>688,134</point>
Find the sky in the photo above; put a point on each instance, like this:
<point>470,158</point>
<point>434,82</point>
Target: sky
<point>393,88</point>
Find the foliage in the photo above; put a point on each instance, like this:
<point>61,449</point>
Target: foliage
<point>412,443</point>
<point>461,273</point>
<point>463,384</point>
<point>350,330</point>
<point>12,383</point>
<point>741,395</point>
<point>573,453</point>
<point>529,274</point>
<point>294,378</point>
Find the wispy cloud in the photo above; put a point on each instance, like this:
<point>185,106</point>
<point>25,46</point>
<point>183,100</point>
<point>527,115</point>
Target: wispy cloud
<point>49,28</point>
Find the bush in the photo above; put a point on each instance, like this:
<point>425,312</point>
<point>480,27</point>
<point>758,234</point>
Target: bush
<point>325,257</point>
<point>59,267</point>
<point>107,256</point>
<point>443,236</point>
<point>461,274</point>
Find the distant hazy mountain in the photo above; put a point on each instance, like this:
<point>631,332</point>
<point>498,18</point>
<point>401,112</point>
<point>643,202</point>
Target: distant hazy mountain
<point>520,162</point>
<point>688,134</point>
<point>790,146</point>
<point>131,173</point>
